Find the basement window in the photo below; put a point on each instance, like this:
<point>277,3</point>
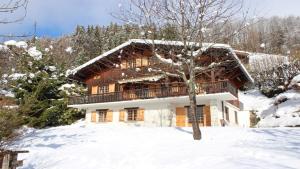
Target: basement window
<point>102,115</point>
<point>132,114</point>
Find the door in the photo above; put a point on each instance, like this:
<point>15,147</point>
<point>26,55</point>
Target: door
<point>180,116</point>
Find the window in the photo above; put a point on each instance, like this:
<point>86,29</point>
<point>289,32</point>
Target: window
<point>199,114</point>
<point>102,115</point>
<point>132,63</point>
<point>103,89</point>
<point>132,114</point>
<point>236,117</point>
<point>226,113</point>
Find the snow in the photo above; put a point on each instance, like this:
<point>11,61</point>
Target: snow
<point>109,146</point>
<point>295,81</point>
<point>36,54</point>
<point>16,76</point>
<point>254,100</point>
<point>263,45</point>
<point>151,79</point>
<point>6,93</point>
<point>22,44</point>
<point>66,86</point>
<point>3,48</point>
<point>52,68</point>
<point>263,60</point>
<point>282,110</point>
<point>10,43</point>
<point>69,50</point>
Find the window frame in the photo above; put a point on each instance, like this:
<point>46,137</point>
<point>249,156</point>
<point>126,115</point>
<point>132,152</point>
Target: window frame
<point>200,116</point>
<point>132,114</point>
<point>227,114</point>
<point>104,112</point>
<point>103,89</point>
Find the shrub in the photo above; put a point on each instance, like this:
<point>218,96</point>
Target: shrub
<point>10,120</point>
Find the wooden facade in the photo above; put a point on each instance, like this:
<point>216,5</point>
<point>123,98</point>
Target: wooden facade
<point>127,74</point>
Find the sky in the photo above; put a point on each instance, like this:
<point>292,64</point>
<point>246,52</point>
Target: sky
<point>59,17</point>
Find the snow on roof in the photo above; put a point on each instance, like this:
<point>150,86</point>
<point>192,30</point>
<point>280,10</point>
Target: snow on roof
<point>164,42</point>
<point>151,79</point>
<point>266,61</point>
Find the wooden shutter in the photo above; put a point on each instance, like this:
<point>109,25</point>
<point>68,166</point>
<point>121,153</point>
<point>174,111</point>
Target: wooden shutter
<point>138,62</point>
<point>140,114</point>
<point>180,116</point>
<point>123,64</point>
<point>111,88</point>
<point>109,116</point>
<point>94,117</point>
<point>144,61</point>
<point>94,89</point>
<point>122,115</point>
<point>207,117</point>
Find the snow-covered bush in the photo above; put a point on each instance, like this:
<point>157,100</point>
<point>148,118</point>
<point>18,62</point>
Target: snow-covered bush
<point>272,75</point>
<point>295,83</point>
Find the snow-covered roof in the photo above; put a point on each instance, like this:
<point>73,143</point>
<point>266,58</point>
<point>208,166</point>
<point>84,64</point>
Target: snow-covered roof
<point>150,79</point>
<point>167,43</point>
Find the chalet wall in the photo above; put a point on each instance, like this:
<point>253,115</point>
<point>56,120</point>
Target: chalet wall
<point>164,114</point>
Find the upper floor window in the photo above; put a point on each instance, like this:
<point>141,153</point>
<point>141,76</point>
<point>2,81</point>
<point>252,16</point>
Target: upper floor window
<point>132,63</point>
<point>103,89</point>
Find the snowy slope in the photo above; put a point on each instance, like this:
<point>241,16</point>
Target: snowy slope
<point>282,110</point>
<point>107,146</point>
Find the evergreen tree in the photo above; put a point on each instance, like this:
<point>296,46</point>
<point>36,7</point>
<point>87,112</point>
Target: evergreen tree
<point>41,101</point>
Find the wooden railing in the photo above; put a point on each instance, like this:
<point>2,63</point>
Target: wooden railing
<point>149,93</point>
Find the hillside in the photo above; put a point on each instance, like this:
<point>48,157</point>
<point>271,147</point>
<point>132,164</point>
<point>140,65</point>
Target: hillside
<point>116,146</point>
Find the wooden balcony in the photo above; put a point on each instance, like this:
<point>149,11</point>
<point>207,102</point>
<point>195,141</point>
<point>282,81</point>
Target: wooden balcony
<point>173,90</point>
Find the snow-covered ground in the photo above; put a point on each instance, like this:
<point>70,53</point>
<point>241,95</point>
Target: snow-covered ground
<point>282,110</point>
<point>108,146</point>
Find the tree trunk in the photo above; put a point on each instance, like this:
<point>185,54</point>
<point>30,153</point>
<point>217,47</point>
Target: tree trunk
<point>195,120</point>
<point>193,103</point>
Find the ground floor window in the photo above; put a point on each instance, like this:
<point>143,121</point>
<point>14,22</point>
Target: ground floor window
<point>102,115</point>
<point>132,114</point>
<point>199,114</point>
<point>236,117</point>
<point>227,113</point>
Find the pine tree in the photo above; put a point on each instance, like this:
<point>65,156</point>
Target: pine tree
<point>41,102</point>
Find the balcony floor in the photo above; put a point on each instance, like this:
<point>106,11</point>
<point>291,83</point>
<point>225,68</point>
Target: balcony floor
<point>168,100</point>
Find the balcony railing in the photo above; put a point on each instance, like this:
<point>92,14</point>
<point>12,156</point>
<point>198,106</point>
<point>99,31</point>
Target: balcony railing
<point>149,93</point>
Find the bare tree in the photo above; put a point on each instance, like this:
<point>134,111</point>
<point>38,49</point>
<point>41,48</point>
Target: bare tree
<point>12,11</point>
<point>196,21</point>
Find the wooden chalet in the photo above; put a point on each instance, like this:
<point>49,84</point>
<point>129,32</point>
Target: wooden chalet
<point>126,85</point>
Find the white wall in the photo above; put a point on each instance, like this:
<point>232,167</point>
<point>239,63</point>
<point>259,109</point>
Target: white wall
<point>164,113</point>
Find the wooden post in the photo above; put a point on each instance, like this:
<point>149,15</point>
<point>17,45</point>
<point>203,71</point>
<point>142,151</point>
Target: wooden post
<point>9,159</point>
<point>6,160</point>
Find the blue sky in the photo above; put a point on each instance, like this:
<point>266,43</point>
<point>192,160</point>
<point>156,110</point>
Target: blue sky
<point>59,17</point>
